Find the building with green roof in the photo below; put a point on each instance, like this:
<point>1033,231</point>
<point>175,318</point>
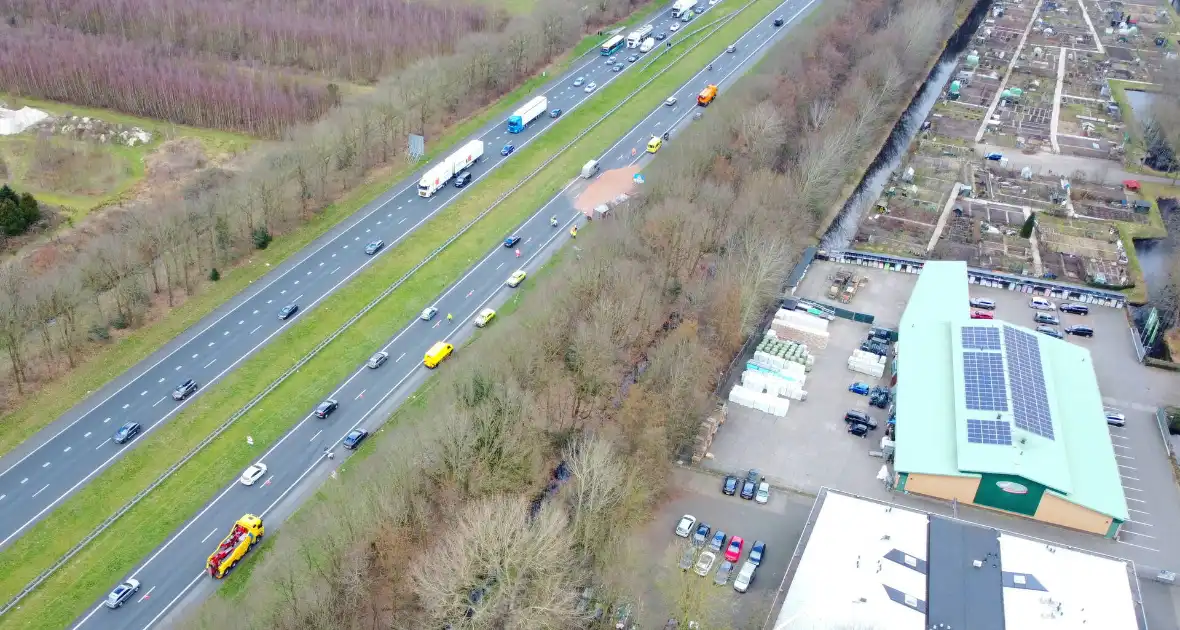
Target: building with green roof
<point>998,416</point>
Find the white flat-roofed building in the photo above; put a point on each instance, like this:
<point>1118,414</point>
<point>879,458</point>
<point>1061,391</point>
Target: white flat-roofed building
<point>864,564</point>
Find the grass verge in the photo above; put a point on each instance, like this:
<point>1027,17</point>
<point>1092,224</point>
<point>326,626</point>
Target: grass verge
<point>56,399</point>
<point>65,595</point>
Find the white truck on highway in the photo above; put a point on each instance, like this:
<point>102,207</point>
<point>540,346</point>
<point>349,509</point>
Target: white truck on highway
<point>636,37</point>
<point>647,45</point>
<point>682,6</point>
<point>529,112</point>
<point>456,163</point>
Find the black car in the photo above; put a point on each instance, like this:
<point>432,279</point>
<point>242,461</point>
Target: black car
<point>729,487</point>
<point>778,21</point>
<point>354,438</point>
<point>632,58</point>
<point>1080,331</point>
<point>1045,318</point>
<point>1050,331</point>
<point>462,179</point>
<point>511,241</point>
<point>748,489</point>
<point>287,311</point>
<point>618,67</point>
<point>858,429</point>
<point>1074,309</point>
<point>326,408</point>
<point>184,390</point>
<point>126,432</point>
<point>856,416</point>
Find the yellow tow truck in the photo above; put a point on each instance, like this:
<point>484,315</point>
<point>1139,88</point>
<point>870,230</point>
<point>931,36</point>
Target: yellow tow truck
<point>246,533</point>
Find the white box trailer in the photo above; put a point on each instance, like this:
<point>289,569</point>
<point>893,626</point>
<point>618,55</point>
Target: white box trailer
<point>441,173</point>
<point>636,37</point>
<point>682,6</point>
<point>529,112</point>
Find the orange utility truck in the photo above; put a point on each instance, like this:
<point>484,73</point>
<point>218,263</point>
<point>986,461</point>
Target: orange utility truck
<point>707,95</point>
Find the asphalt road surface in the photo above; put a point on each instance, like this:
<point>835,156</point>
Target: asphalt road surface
<point>48,467</point>
<point>173,575</point>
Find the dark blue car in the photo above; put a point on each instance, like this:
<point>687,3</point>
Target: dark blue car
<point>507,150</point>
<point>757,551</point>
<point>729,487</point>
<point>354,438</point>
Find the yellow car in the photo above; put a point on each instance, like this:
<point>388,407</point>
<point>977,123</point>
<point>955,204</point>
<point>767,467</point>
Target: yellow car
<point>516,278</point>
<point>437,353</point>
<point>654,144</point>
<point>484,317</point>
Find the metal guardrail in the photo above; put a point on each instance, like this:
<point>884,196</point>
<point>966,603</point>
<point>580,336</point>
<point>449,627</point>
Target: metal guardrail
<point>106,524</point>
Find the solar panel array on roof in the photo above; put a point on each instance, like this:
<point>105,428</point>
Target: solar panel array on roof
<point>989,431</point>
<point>983,381</point>
<point>980,338</point>
<point>1026,376</point>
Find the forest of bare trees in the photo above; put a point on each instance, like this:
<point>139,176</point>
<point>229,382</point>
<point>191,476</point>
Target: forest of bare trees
<point>62,304</point>
<point>608,366</point>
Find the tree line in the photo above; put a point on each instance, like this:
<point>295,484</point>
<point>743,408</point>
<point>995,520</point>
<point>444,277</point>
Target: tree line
<point>458,518</point>
<point>154,81</point>
<point>356,40</point>
<point>59,303</point>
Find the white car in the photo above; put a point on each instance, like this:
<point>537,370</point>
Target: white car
<point>590,87</point>
<point>705,562</point>
<point>1115,418</point>
<point>763,494</point>
<point>671,101</point>
<point>687,523</point>
<point>741,583</point>
<point>253,473</point>
<point>675,27</point>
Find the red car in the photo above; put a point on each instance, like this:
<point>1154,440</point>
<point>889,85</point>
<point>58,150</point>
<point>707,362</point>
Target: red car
<point>981,315</point>
<point>734,550</point>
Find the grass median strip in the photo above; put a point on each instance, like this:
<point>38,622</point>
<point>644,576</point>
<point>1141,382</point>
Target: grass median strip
<point>96,568</point>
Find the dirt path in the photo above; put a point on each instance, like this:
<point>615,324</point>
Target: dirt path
<point>607,186</point>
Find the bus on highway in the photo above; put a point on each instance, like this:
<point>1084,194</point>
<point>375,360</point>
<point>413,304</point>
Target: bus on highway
<point>612,45</point>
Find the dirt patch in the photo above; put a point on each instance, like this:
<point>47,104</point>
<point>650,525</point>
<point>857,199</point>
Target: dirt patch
<point>173,159</point>
<point>606,187</point>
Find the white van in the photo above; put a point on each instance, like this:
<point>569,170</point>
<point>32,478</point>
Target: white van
<point>648,44</point>
<point>1041,304</point>
<point>590,169</point>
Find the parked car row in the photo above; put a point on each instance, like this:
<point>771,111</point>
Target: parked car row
<point>700,557</point>
<point>1046,322</point>
<point>753,486</point>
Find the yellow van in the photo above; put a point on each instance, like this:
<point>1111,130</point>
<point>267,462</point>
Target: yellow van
<point>437,353</point>
<point>654,144</point>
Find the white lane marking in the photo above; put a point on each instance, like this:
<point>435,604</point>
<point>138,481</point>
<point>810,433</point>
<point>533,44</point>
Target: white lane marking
<point>1127,467</point>
<point>1123,456</point>
<point>309,273</point>
<point>24,481</point>
<point>208,535</point>
<point>498,266</point>
<point>255,312</point>
<point>1135,533</point>
<point>296,282</point>
<point>255,329</point>
<point>321,264</point>
<point>297,297</point>
<point>283,292</point>
<point>106,421</point>
<point>67,449</point>
<point>39,491</point>
<point>1126,487</point>
<point>269,301</point>
<point>126,405</point>
<point>1123,542</point>
<point>161,380</point>
<point>145,595</point>
<point>333,271</point>
<point>2,496</point>
<point>160,400</point>
<point>378,223</point>
<point>143,393</point>
<point>45,465</point>
<point>1136,500</point>
<point>399,358</point>
<point>242,321</point>
<point>223,334</point>
<point>1131,478</point>
<point>103,444</point>
<point>1138,511</point>
<point>317,434</point>
<point>355,239</point>
<point>87,434</point>
<point>196,355</point>
<point>358,396</point>
<point>210,363</point>
<point>333,255</point>
<point>1140,523</point>
<point>401,221</point>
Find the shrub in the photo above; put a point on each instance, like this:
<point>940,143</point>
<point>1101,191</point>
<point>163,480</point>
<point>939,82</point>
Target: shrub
<point>262,237</point>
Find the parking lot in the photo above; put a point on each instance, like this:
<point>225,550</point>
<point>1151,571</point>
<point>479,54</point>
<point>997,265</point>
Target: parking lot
<point>779,524</point>
<point>810,447</point>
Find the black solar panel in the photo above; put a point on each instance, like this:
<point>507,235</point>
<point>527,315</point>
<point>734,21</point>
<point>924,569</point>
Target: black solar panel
<point>989,431</point>
<point>1026,377</point>
<point>983,381</point>
<point>980,338</point>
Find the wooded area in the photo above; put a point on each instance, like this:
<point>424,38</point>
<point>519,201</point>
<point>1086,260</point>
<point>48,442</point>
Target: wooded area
<point>355,40</point>
<point>609,365</point>
<point>59,303</point>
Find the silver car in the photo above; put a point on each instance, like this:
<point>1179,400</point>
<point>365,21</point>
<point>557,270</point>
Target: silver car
<point>122,594</point>
<point>722,577</point>
<point>377,360</point>
<point>688,558</point>
<point>744,577</point>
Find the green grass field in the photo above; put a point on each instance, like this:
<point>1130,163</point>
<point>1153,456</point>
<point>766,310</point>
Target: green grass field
<point>92,571</point>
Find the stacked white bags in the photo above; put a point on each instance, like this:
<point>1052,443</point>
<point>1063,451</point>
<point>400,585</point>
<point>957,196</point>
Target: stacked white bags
<point>867,363</point>
<point>768,403</point>
<point>802,327</point>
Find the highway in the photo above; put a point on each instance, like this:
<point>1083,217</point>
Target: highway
<point>55,462</point>
<point>173,576</point>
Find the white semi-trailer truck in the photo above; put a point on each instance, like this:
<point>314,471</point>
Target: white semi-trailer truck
<point>456,163</point>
